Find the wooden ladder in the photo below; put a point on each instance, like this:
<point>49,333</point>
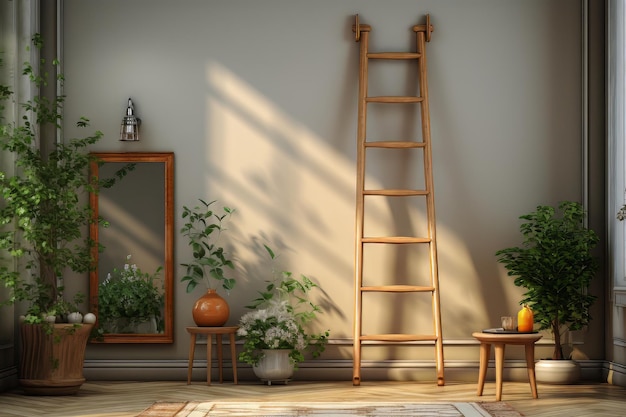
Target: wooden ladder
<point>423,34</point>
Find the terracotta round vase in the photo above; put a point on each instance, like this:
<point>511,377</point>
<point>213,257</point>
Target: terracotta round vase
<point>211,310</point>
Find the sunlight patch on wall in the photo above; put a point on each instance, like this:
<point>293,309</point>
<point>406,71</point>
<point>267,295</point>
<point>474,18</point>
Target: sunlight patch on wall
<point>290,190</point>
<point>262,160</point>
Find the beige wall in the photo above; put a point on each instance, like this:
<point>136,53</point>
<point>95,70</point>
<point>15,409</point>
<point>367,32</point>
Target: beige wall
<point>257,99</point>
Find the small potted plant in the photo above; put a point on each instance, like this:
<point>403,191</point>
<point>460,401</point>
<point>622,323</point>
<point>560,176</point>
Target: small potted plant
<point>203,228</point>
<point>130,301</point>
<point>556,265</point>
<point>274,333</point>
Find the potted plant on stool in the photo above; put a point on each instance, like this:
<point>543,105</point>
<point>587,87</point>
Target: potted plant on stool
<point>203,227</point>
<point>556,265</point>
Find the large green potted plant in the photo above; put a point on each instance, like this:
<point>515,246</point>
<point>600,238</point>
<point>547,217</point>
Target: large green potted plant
<point>555,264</point>
<point>43,215</point>
<point>203,228</point>
<point>275,333</point>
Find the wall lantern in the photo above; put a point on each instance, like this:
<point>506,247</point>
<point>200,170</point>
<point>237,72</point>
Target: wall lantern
<point>129,131</point>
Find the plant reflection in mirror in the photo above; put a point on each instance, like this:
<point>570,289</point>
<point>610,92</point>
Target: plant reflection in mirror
<point>130,301</point>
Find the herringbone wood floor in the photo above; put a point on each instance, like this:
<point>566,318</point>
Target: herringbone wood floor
<point>126,399</point>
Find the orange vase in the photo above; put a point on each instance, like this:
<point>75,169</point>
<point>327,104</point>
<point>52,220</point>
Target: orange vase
<point>211,310</point>
<point>525,319</point>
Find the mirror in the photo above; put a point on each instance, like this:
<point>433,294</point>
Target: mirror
<point>139,210</point>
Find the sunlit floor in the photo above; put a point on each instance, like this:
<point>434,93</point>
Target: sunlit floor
<point>126,399</point>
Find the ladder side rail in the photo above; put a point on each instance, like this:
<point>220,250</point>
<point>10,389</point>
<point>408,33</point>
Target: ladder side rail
<point>430,202</point>
<point>360,186</point>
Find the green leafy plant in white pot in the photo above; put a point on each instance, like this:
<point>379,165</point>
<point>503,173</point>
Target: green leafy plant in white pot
<point>275,333</point>
<point>204,227</point>
<point>555,264</point>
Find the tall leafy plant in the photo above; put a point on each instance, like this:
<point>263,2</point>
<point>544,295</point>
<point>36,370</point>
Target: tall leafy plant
<point>556,265</point>
<point>44,210</point>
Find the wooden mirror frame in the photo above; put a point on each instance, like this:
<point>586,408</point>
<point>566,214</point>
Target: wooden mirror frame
<point>167,158</point>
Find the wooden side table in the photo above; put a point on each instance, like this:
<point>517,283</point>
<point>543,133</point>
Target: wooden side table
<point>209,332</point>
<point>500,341</point>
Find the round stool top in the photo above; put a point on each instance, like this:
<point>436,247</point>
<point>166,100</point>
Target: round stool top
<point>511,338</point>
<point>212,330</point>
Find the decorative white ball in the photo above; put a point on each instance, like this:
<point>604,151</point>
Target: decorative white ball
<point>89,318</point>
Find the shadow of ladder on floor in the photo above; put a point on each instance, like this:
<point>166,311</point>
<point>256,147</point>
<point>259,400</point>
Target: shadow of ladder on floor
<point>423,34</point>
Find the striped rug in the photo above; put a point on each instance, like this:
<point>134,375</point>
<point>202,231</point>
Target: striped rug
<point>330,409</point>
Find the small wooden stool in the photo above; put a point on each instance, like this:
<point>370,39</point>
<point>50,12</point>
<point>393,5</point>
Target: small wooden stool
<point>500,341</point>
<point>209,332</point>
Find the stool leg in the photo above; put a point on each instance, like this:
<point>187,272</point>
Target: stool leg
<point>530,365</point>
<point>192,349</point>
<point>218,343</point>
<point>485,351</point>
<point>499,349</point>
<point>209,364</point>
<point>233,354</point>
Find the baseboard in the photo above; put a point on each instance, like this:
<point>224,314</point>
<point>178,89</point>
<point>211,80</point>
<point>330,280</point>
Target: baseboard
<point>336,370</point>
<point>330,370</point>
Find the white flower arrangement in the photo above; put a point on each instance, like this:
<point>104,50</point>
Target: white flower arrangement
<point>273,328</point>
<point>277,323</point>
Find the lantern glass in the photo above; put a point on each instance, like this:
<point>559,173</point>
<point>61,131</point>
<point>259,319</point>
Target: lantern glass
<point>129,130</point>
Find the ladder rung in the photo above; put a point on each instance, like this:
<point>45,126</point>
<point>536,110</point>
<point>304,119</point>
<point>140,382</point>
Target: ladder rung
<point>399,337</point>
<point>394,55</point>
<point>398,288</point>
<point>390,144</point>
<point>394,99</point>
<point>396,239</point>
<point>396,193</point>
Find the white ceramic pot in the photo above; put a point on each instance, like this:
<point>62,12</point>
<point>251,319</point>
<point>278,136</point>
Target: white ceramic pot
<point>274,366</point>
<point>564,371</point>
<point>75,317</point>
